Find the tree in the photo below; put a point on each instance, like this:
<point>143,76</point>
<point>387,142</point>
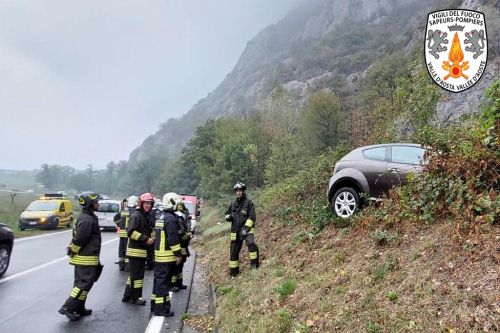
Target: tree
<point>322,124</point>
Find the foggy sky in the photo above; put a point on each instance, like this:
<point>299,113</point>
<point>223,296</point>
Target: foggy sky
<point>85,82</point>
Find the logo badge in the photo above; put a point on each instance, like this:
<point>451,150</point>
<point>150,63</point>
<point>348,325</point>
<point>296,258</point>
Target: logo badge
<point>456,48</point>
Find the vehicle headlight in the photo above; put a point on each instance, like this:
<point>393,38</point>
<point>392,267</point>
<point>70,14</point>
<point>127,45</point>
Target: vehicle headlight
<point>43,219</point>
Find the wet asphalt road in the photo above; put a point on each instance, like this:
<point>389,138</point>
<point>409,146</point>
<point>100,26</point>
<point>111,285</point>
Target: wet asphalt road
<point>40,279</point>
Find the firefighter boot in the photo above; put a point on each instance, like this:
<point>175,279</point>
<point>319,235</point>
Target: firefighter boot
<point>72,315</point>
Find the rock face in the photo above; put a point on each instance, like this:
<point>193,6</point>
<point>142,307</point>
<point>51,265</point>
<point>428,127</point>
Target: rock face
<point>272,58</point>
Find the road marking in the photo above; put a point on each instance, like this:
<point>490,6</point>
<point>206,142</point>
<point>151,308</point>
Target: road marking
<point>17,240</point>
<point>36,268</point>
<point>155,324</point>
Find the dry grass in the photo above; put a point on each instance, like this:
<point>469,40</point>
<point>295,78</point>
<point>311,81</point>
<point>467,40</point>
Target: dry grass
<point>344,279</point>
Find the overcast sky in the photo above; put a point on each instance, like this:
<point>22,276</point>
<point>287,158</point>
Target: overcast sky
<point>87,81</point>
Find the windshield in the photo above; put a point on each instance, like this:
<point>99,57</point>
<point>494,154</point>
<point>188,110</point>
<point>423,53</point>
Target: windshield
<point>42,205</point>
<point>189,206</point>
<point>108,207</point>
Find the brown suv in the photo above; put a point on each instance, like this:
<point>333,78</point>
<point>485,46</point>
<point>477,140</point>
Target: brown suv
<point>371,171</point>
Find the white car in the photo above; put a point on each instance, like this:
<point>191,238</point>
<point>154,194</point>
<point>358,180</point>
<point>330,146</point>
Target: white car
<point>106,212</point>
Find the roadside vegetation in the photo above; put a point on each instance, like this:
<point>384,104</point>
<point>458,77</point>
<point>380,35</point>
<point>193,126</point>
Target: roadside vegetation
<point>423,260</point>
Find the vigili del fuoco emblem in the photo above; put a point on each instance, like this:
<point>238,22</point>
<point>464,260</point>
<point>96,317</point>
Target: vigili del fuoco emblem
<point>456,48</point>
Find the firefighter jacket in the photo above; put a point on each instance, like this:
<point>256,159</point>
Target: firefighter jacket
<point>167,242</point>
<point>138,233</point>
<point>242,214</point>
<point>85,246</point>
<point>121,220</point>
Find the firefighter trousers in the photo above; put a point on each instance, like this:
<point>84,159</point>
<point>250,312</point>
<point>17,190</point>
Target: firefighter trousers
<point>122,250</point>
<point>234,255</point>
<point>177,273</point>
<point>161,286</point>
<point>133,289</point>
<point>85,277</point>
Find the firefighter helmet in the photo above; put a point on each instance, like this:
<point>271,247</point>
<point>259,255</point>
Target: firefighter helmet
<point>86,200</point>
<point>145,197</point>
<point>239,186</point>
<point>132,201</point>
<point>170,200</point>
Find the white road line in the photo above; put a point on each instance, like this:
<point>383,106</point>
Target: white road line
<point>155,324</point>
<point>36,268</point>
<point>17,240</point>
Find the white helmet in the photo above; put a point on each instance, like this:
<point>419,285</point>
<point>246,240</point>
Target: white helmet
<point>170,200</point>
<point>132,201</point>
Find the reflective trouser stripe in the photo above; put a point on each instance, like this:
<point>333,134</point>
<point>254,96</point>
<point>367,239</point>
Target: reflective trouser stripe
<point>234,263</point>
<point>83,296</point>
<point>161,299</point>
<point>75,292</point>
<point>137,284</point>
<point>251,230</point>
<point>249,223</point>
<point>184,251</point>
<point>252,255</point>
<point>174,278</point>
<point>233,236</point>
<point>123,234</point>
<point>128,281</point>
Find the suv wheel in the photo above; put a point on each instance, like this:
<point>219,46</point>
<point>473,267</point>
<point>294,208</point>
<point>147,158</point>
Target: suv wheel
<point>4,259</point>
<point>345,202</point>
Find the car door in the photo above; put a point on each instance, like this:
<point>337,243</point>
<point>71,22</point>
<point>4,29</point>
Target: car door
<point>374,168</point>
<point>404,160</point>
<point>63,213</point>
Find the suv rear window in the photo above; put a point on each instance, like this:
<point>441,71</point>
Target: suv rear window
<point>108,208</point>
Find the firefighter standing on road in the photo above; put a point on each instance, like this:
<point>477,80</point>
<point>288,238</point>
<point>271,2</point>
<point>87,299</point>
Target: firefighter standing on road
<point>122,220</point>
<point>184,236</point>
<point>167,255</point>
<point>84,251</point>
<point>241,214</point>
<point>139,239</point>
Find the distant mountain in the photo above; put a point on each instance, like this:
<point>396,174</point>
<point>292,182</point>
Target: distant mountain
<point>321,44</point>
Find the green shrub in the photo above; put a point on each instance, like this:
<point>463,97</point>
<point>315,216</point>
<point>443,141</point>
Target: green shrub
<point>286,288</point>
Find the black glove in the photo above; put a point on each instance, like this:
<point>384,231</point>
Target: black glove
<point>229,217</point>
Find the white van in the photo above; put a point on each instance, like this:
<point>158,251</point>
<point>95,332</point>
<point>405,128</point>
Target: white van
<point>106,212</point>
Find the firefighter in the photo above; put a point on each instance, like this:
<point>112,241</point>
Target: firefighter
<point>241,214</point>
<point>138,240</point>
<point>84,252</point>
<point>184,236</point>
<point>167,255</point>
<point>122,219</point>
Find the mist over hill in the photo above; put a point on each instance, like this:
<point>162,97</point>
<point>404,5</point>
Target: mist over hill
<point>322,45</point>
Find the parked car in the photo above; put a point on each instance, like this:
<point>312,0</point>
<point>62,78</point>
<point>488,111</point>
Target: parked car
<point>49,212</point>
<point>6,245</point>
<point>106,212</point>
<point>369,172</point>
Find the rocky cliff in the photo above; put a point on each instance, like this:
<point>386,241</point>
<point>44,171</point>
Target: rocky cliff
<point>318,45</point>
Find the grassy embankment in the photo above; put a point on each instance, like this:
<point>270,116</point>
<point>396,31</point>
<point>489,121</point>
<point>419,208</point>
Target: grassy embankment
<point>426,260</point>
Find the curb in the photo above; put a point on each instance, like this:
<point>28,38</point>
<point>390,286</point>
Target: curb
<point>212,300</point>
